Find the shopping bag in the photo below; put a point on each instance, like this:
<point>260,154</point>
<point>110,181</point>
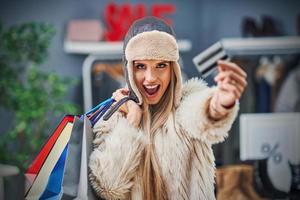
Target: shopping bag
<point>53,188</point>
<point>64,178</point>
<point>60,171</point>
<point>36,165</point>
<point>41,180</point>
<point>73,161</point>
<point>69,177</point>
<point>75,181</point>
<point>84,188</point>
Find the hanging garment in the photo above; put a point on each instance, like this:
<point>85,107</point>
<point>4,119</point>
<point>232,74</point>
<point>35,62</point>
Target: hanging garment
<point>107,77</point>
<point>289,98</point>
<point>268,79</point>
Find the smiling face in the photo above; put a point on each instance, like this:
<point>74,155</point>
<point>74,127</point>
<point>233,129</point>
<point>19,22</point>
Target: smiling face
<point>152,78</point>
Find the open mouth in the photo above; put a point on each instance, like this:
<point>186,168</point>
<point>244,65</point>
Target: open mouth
<point>151,90</point>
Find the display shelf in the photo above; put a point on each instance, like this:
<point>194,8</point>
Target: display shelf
<point>262,46</point>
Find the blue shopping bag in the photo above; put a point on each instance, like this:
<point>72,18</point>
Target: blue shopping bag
<point>53,188</point>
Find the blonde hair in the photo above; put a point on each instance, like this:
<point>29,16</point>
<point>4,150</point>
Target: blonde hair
<point>154,116</point>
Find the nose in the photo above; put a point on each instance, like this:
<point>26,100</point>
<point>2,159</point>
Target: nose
<point>150,75</point>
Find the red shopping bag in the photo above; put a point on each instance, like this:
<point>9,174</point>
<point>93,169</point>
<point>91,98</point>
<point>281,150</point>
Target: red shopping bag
<point>46,164</point>
<point>38,162</point>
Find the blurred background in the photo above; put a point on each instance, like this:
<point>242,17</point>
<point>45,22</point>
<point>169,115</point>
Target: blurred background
<point>64,57</point>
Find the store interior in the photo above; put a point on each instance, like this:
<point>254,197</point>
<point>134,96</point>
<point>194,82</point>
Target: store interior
<point>260,158</point>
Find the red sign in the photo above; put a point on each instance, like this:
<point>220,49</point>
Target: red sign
<point>118,18</point>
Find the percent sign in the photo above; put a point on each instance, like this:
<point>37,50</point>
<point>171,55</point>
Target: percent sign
<point>272,152</point>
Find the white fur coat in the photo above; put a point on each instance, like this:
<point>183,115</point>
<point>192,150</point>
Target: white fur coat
<point>182,145</point>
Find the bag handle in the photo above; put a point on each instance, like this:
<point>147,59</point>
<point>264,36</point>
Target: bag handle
<point>115,107</point>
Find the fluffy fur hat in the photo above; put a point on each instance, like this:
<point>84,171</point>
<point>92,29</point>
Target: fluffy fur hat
<point>150,38</point>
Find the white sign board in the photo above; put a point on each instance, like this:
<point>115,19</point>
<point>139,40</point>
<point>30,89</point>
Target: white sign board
<point>273,135</point>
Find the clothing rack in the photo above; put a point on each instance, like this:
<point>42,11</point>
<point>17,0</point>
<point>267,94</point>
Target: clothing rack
<point>87,78</point>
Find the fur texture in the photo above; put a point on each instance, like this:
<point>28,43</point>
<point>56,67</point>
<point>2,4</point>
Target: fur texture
<point>152,45</point>
<point>115,158</point>
<point>182,145</point>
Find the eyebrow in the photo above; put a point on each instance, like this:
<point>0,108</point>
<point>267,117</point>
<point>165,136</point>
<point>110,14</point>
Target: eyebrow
<point>164,62</point>
<point>137,62</point>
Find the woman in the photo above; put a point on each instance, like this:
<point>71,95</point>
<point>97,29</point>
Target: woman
<point>159,145</point>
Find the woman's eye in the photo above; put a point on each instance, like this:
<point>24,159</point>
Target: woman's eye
<point>140,66</point>
<point>162,65</point>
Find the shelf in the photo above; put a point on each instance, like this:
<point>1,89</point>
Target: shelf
<point>262,46</point>
<point>109,48</point>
